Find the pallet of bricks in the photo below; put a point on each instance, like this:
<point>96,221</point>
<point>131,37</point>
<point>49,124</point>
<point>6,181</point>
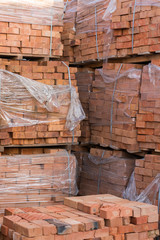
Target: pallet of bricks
<point>123,108</point>
<point>81,218</point>
<point>40,107</point>
<point>86,34</point>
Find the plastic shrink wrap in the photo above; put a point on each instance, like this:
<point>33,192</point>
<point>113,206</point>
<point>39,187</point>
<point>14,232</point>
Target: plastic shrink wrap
<point>36,180</point>
<point>25,102</point>
<point>104,171</point>
<point>116,88</point>
<point>148,195</point>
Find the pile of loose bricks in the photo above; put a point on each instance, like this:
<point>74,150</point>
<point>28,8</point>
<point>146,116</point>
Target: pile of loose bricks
<point>104,217</point>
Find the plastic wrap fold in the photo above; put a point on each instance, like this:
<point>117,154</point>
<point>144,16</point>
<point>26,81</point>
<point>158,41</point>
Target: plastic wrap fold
<point>25,102</point>
<point>36,179</point>
<point>43,12</point>
<point>148,195</point>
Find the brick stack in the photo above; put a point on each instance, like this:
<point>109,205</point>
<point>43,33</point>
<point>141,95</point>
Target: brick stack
<point>146,170</point>
<point>50,73</point>
<point>114,106</point>
<point>24,110</point>
<point>85,77</point>
<point>105,171</point>
<point>36,180</point>
<point>89,22</point>
<point>148,118</point>
<point>146,29</point>
<point>31,29</point>
<point>106,217</point>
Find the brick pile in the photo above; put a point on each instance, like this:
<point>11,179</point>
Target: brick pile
<point>146,29</point>
<point>106,217</point>
<point>89,22</point>
<point>36,180</point>
<point>114,105</point>
<point>30,39</point>
<point>146,170</point>
<point>85,77</point>
<point>53,132</point>
<point>148,118</point>
<point>105,171</point>
<point>31,29</point>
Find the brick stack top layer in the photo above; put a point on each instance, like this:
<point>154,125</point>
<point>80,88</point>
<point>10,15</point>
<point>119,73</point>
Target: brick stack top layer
<point>107,217</point>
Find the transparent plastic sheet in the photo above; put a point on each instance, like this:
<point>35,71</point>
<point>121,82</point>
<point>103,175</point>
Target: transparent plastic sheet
<point>25,102</point>
<point>43,12</point>
<point>101,175</point>
<point>122,89</point>
<point>46,177</point>
<point>92,28</point>
<point>148,195</point>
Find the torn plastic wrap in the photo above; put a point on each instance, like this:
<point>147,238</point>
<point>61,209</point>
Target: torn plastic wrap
<point>148,195</point>
<point>36,180</point>
<point>25,102</point>
<point>99,174</point>
<point>116,88</point>
<point>43,12</point>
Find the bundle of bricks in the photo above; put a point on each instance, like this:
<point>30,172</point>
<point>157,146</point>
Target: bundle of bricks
<point>85,77</point>
<point>148,118</point>
<point>105,171</point>
<point>36,180</point>
<point>106,217</point>
<point>52,132</point>
<point>30,40</point>
<point>145,172</point>
<point>91,34</point>
<point>142,34</point>
<point>114,105</point>
<point>25,35</point>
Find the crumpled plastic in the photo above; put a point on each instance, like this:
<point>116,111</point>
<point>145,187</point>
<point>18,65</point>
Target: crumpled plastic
<point>148,195</point>
<point>25,102</point>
